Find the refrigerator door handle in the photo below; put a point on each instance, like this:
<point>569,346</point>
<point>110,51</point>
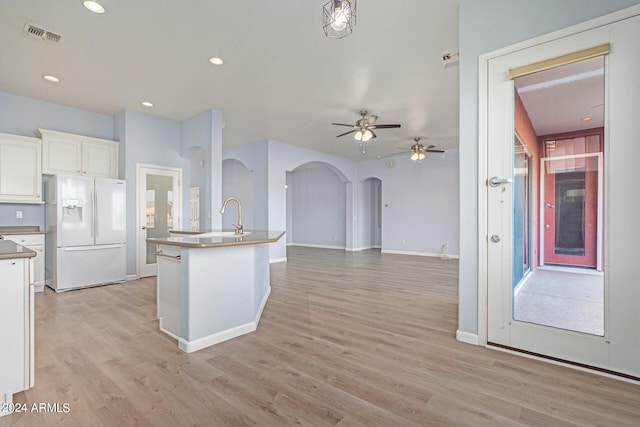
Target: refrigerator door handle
<point>95,210</point>
<point>91,248</point>
<point>93,213</point>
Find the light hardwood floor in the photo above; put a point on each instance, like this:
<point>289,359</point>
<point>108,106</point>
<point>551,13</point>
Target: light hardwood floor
<point>346,339</point>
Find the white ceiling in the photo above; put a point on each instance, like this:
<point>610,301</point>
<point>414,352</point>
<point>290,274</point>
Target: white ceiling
<point>282,78</point>
<point>558,99</point>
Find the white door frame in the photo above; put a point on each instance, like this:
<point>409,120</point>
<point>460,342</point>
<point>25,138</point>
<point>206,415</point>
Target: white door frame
<point>141,170</point>
<point>600,225</point>
<point>483,95</point>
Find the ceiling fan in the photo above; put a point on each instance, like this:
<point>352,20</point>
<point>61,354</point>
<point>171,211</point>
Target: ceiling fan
<point>418,150</point>
<point>364,127</point>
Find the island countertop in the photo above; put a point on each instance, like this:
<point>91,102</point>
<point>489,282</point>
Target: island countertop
<point>12,250</point>
<point>191,239</point>
<point>18,229</point>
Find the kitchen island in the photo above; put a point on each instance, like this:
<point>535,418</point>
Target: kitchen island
<point>212,285</point>
<point>17,318</point>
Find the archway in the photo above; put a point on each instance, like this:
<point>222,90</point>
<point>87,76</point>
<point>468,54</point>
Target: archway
<point>316,206</point>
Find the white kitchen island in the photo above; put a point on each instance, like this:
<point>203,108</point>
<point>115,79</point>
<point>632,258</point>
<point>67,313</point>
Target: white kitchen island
<point>17,318</point>
<point>212,288</point>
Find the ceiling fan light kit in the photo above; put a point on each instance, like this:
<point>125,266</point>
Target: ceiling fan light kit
<point>418,150</point>
<point>338,18</point>
<point>363,129</point>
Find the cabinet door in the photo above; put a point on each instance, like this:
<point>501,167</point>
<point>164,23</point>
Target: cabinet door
<point>100,160</point>
<point>13,318</point>
<point>20,172</point>
<point>35,242</point>
<point>61,156</point>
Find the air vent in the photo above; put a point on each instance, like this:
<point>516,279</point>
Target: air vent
<point>40,33</point>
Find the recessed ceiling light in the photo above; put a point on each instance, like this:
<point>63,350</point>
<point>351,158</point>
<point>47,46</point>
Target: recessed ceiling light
<point>216,61</point>
<point>586,119</point>
<point>93,6</point>
<point>147,104</point>
<point>50,78</point>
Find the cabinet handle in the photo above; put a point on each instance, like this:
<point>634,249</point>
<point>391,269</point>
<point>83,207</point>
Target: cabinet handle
<point>176,257</point>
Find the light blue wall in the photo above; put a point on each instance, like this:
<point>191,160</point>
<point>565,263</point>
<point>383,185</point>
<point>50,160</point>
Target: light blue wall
<point>318,206</point>
<point>419,202</point>
<point>24,116</point>
<point>255,158</point>
<point>237,182</point>
<point>31,214</point>
<point>144,138</point>
<point>485,26</point>
<point>149,140</point>
<point>203,132</point>
<point>423,200</point>
<point>284,157</point>
<point>198,178</point>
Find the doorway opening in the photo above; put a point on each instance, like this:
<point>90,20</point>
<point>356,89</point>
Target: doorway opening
<point>371,224</point>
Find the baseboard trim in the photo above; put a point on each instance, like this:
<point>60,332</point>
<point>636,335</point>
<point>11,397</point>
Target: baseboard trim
<point>218,337</point>
<point>305,245</point>
<point>429,254</point>
<point>364,248</point>
<point>274,260</point>
<point>131,277</point>
<point>467,337</point>
<point>209,340</point>
<point>262,304</point>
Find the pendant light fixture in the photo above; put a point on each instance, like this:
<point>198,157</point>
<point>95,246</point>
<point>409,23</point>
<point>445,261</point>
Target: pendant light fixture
<point>339,18</point>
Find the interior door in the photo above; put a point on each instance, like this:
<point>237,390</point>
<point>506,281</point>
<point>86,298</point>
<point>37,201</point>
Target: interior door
<point>618,348</point>
<point>158,209</point>
<point>570,192</point>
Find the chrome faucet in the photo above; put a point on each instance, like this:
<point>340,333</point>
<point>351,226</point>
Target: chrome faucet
<point>238,226</point>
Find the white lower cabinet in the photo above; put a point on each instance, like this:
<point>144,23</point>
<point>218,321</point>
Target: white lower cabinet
<point>16,316</point>
<point>35,242</point>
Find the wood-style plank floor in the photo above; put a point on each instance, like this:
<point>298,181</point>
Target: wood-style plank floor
<point>346,339</point>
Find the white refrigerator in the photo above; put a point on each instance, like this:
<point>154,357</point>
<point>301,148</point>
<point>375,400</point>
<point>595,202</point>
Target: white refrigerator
<point>85,220</point>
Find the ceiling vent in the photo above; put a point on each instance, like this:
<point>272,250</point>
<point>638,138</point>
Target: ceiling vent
<point>40,33</point>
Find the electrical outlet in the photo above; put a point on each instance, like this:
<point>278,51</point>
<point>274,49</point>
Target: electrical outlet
<point>19,214</point>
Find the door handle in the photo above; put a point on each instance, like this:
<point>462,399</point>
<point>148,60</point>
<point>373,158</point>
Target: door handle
<point>496,181</point>
<point>144,228</point>
<point>548,205</point>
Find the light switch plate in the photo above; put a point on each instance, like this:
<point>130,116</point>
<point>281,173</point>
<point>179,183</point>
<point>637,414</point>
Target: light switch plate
<point>18,214</point>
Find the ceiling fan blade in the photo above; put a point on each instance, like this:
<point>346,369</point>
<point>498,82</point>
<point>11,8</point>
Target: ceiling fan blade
<point>371,119</point>
<point>342,124</point>
<point>433,151</point>
<point>384,126</point>
<point>346,133</point>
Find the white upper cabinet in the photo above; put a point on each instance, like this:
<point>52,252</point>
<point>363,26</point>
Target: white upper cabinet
<point>68,154</point>
<point>20,169</point>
